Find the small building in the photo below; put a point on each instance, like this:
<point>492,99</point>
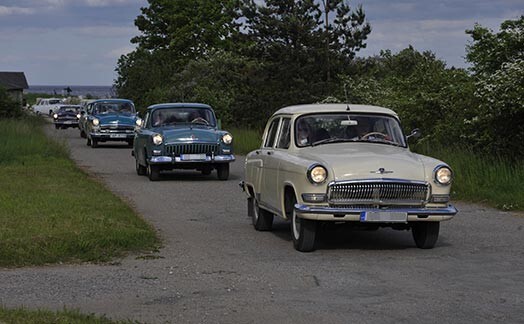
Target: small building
<point>14,83</point>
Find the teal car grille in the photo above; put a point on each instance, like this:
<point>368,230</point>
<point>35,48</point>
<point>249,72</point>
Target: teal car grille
<point>192,148</point>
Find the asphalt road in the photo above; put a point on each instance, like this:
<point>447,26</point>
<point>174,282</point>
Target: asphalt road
<point>215,268</point>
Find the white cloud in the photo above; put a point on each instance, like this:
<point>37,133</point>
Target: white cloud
<point>106,3</point>
<point>117,52</point>
<point>8,11</point>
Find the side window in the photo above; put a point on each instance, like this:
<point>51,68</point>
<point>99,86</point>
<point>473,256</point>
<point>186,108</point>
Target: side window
<point>146,120</point>
<point>285,133</point>
<point>271,133</point>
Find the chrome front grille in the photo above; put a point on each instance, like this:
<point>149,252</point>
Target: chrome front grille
<point>192,148</point>
<point>377,193</point>
<point>117,129</point>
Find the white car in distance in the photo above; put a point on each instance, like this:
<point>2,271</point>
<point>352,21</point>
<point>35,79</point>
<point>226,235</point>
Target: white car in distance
<point>48,106</point>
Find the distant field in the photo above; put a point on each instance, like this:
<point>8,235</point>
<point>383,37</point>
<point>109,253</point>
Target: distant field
<point>52,211</point>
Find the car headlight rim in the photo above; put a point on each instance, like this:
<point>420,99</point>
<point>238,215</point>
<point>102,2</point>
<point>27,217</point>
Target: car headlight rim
<point>227,138</point>
<point>158,139</point>
<point>96,122</point>
<point>443,175</point>
<point>317,174</point>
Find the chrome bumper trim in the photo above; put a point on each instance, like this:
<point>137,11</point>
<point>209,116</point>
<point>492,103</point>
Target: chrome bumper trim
<point>209,159</point>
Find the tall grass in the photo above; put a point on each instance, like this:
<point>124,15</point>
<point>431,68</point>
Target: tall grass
<point>482,179</point>
<point>490,180</point>
<point>245,140</point>
<point>52,211</point>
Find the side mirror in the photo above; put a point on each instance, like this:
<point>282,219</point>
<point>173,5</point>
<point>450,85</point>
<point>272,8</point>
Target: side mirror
<point>416,133</point>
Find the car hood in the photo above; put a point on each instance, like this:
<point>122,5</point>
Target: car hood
<point>366,161</point>
<point>123,119</point>
<point>185,134</point>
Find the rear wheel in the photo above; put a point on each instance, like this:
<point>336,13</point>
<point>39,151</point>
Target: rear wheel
<point>261,218</point>
<point>303,231</point>
<point>223,171</point>
<point>425,234</point>
<point>153,172</point>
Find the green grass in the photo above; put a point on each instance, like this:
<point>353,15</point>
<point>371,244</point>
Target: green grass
<point>245,140</point>
<point>481,179</point>
<point>52,211</point>
<point>25,316</point>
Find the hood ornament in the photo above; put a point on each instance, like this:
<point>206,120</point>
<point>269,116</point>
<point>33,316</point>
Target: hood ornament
<point>381,171</point>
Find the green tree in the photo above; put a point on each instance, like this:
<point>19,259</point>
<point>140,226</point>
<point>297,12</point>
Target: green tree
<point>498,66</point>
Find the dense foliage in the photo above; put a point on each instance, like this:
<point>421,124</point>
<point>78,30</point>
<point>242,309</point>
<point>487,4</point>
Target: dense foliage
<point>8,107</point>
<point>248,58</point>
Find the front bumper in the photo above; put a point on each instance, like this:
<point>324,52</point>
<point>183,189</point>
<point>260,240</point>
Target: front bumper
<point>112,136</point>
<point>66,123</point>
<point>225,158</point>
<point>325,213</point>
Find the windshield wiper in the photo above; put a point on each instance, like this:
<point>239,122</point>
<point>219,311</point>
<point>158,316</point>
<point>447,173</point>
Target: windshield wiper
<point>332,140</point>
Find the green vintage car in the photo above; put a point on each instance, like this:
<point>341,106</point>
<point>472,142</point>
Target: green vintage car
<point>182,136</point>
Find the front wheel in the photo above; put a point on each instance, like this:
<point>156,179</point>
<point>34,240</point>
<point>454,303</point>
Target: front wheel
<point>425,234</point>
<point>303,231</point>
<point>88,142</point>
<point>153,172</point>
<point>261,218</point>
<point>140,169</point>
<point>223,171</point>
<point>82,134</point>
<point>94,143</point>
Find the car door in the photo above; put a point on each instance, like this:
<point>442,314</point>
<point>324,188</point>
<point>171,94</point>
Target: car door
<point>269,169</point>
<point>141,136</point>
<point>281,155</point>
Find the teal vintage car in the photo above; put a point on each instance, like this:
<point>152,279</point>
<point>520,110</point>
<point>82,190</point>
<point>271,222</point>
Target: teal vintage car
<point>182,136</point>
<point>109,120</point>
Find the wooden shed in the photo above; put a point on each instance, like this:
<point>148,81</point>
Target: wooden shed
<point>14,83</point>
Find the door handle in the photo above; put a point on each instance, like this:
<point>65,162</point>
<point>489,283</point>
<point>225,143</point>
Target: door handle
<point>269,153</point>
<point>257,152</point>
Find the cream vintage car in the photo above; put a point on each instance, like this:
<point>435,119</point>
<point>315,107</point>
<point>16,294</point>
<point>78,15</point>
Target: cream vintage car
<point>344,163</point>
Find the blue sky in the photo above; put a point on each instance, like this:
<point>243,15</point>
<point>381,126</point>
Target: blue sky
<point>78,42</point>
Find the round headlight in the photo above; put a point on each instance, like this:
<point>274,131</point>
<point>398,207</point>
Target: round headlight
<point>443,175</point>
<point>96,122</point>
<point>157,139</point>
<point>78,116</point>
<point>55,116</point>
<point>317,174</point>
<point>227,138</point>
<point>139,122</point>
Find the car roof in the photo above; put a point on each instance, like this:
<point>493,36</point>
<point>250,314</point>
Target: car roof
<point>112,100</point>
<point>320,108</point>
<point>179,105</point>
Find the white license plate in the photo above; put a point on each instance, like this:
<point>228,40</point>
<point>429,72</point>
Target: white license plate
<point>193,157</point>
<point>383,217</point>
<point>117,136</point>
<point>68,122</point>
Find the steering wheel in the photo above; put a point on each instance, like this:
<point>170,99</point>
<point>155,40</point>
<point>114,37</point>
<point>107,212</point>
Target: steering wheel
<point>200,120</point>
<point>384,136</point>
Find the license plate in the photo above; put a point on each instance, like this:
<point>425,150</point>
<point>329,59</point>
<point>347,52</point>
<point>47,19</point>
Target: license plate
<point>117,135</point>
<point>193,157</point>
<point>384,217</point>
<point>68,122</point>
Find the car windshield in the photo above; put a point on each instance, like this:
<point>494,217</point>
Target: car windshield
<point>68,109</point>
<point>113,107</point>
<point>318,129</point>
<point>184,115</point>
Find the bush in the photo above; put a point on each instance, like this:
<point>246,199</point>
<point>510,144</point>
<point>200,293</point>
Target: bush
<point>8,107</point>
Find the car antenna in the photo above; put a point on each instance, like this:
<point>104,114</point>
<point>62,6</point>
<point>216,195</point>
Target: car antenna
<point>346,94</point>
